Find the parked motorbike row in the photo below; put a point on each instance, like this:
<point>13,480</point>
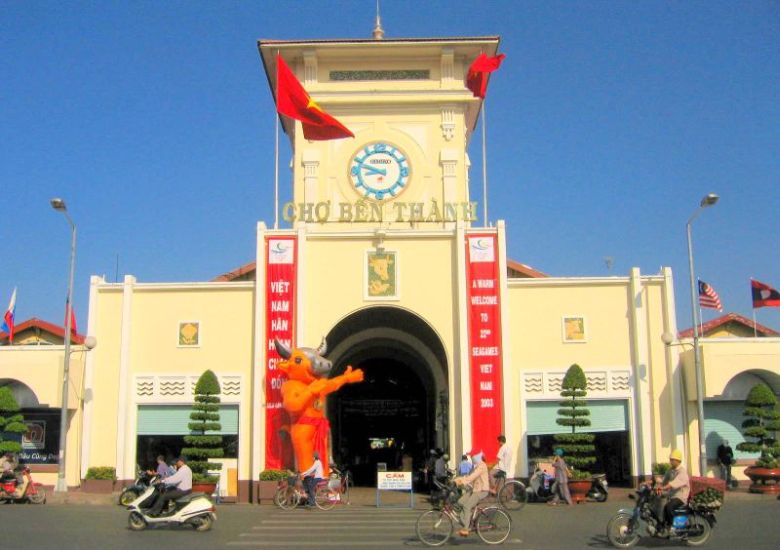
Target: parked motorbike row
<point>541,487</point>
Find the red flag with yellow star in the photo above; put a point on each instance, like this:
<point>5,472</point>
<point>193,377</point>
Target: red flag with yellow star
<point>293,101</point>
<point>479,72</point>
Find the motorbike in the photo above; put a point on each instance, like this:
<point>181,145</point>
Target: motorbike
<point>693,526</point>
<point>130,493</point>
<point>540,486</point>
<point>11,490</point>
<point>599,488</point>
<point>195,509</point>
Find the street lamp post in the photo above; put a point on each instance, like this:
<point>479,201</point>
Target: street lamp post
<point>707,201</point>
<point>62,484</point>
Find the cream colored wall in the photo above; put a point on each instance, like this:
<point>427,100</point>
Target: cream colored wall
<point>40,368</point>
<point>225,314</point>
<point>425,274</point>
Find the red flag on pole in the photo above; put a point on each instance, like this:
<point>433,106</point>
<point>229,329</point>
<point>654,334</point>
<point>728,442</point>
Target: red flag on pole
<point>764,295</point>
<point>293,101</point>
<point>68,309</point>
<point>479,72</point>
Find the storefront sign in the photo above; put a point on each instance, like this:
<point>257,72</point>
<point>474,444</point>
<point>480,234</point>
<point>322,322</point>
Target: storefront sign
<point>375,212</point>
<point>40,443</point>
<point>281,256</point>
<point>484,313</point>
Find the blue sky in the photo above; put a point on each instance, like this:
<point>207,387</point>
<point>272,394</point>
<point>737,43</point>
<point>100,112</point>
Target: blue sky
<point>607,123</point>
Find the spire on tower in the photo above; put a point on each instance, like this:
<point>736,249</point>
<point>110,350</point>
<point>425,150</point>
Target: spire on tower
<point>379,32</point>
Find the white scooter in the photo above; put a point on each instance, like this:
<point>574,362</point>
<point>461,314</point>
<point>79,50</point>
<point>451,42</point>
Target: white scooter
<point>194,509</point>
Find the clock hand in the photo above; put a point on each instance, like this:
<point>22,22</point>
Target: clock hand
<point>373,170</point>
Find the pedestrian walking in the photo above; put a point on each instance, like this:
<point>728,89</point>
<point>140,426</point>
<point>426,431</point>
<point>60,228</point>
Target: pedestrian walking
<point>561,485</point>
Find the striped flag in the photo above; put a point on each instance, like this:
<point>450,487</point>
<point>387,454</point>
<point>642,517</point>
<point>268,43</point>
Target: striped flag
<point>8,318</point>
<point>708,297</point>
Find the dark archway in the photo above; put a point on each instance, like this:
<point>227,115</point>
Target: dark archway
<point>401,408</point>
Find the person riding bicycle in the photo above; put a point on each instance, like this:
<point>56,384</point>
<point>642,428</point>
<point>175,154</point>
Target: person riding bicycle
<point>501,469</point>
<point>311,477</point>
<point>677,483</point>
<point>480,485</point>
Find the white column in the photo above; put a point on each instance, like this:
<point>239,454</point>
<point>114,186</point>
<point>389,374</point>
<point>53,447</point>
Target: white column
<point>257,462</point>
<point>448,158</point>
<point>460,356</point>
<point>123,470</point>
<point>641,366</point>
<point>672,360</point>
<point>88,394</point>
<point>311,162</point>
<point>510,376</point>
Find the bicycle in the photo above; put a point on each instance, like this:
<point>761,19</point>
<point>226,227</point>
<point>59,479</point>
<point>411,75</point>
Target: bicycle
<point>434,527</point>
<point>510,493</point>
<point>333,491</point>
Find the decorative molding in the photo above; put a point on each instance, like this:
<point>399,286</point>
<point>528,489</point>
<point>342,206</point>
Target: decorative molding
<point>401,74</point>
<point>447,66</point>
<point>309,67</point>
<point>615,382</point>
<point>179,388</point>
<point>448,122</point>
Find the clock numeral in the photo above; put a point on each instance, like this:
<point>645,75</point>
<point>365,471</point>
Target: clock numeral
<point>379,147</point>
<point>355,170</point>
<point>404,172</point>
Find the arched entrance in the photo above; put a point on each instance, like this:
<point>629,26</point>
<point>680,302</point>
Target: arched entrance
<point>402,406</point>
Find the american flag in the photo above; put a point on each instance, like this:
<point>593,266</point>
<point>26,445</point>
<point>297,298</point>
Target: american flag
<point>708,297</point>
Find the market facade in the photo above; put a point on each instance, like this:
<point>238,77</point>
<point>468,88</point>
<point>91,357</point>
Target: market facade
<point>384,261</point>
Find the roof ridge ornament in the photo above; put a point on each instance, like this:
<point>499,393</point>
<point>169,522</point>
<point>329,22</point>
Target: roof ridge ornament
<point>379,32</point>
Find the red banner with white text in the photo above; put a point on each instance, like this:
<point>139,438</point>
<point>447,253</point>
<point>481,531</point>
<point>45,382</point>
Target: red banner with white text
<point>484,313</point>
<point>281,274</point>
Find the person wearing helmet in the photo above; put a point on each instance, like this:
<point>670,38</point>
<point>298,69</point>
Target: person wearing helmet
<point>561,485</point>
<point>677,484</point>
<point>480,485</point>
<point>311,477</point>
<point>725,459</point>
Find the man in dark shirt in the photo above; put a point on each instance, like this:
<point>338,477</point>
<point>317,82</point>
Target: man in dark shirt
<point>725,459</point>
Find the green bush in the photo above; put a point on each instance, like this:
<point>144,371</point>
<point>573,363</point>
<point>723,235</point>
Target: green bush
<point>274,475</point>
<point>11,422</point>
<point>578,448</point>
<point>205,418</point>
<point>101,472</point>
<point>660,468</point>
<point>763,419</point>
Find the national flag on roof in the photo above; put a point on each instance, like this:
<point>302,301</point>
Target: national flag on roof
<point>8,318</point>
<point>292,100</point>
<point>479,73</point>
<point>764,295</point>
<point>708,297</point>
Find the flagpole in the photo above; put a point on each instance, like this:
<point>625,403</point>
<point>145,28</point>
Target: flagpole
<point>484,169</point>
<point>276,170</point>
<point>755,332</point>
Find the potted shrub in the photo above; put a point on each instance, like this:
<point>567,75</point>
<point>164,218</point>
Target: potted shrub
<point>100,479</point>
<point>578,448</point>
<point>268,482</point>
<point>203,446</point>
<point>11,422</point>
<point>762,421</point>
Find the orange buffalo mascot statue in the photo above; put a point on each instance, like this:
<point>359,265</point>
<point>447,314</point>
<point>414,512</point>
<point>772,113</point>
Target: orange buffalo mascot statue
<point>303,397</point>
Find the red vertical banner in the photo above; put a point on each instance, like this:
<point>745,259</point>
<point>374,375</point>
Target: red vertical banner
<point>281,276</point>
<point>484,313</point>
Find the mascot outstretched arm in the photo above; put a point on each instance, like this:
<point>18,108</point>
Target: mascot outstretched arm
<point>303,397</point>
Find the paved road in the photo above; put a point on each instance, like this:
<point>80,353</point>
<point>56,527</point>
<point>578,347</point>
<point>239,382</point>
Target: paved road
<point>748,523</point>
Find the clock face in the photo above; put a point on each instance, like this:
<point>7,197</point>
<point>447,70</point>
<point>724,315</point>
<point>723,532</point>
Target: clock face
<point>379,171</point>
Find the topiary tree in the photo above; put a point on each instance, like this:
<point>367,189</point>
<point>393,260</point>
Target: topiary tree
<point>205,418</point>
<point>578,447</point>
<point>763,419</point>
<point>11,422</point>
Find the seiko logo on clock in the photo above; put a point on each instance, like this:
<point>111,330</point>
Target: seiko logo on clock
<point>379,171</point>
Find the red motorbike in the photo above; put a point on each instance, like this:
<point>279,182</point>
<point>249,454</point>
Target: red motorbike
<point>11,490</point>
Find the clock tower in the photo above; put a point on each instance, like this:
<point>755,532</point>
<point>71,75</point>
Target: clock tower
<point>412,115</point>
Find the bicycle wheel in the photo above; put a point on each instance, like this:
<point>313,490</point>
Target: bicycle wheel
<point>324,497</point>
<point>512,495</point>
<point>434,528</point>
<point>493,525</point>
<point>289,498</point>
